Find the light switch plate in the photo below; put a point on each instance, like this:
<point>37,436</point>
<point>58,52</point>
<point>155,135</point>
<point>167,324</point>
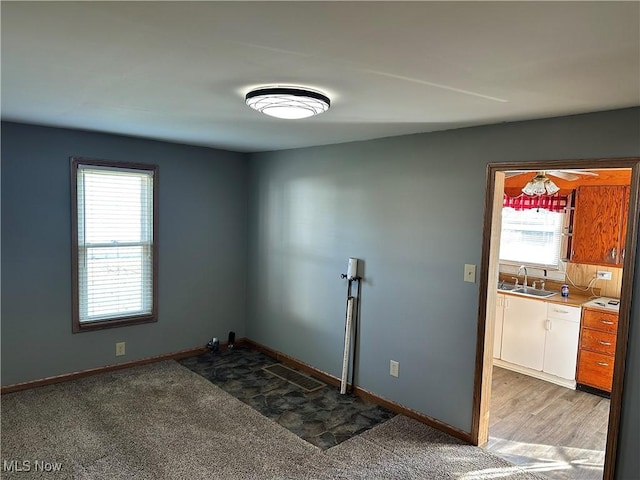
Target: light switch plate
<point>470,273</point>
<point>394,368</point>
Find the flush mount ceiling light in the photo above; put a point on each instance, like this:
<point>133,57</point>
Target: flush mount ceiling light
<point>539,185</point>
<point>291,103</point>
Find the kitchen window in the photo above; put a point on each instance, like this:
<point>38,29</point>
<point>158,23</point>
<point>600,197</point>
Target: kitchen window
<point>532,237</point>
<point>114,243</point>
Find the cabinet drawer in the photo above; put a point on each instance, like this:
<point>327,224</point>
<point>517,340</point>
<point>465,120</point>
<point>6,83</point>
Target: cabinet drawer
<point>595,370</point>
<point>596,341</point>
<point>605,321</point>
<point>563,312</point>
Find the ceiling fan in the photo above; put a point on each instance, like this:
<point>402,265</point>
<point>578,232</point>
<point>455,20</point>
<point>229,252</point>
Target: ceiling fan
<point>541,184</point>
<point>570,175</point>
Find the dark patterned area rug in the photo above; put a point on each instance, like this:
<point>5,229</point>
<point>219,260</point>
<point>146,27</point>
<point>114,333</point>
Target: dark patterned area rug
<point>322,417</point>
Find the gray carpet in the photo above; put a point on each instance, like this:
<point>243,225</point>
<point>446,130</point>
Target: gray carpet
<point>162,421</point>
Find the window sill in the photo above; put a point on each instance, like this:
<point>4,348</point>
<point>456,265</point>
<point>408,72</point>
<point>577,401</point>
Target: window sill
<point>79,327</point>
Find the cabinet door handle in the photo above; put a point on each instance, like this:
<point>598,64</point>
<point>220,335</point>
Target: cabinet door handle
<point>602,364</point>
<point>606,322</point>
<point>548,325</point>
<point>613,254</point>
<point>604,343</point>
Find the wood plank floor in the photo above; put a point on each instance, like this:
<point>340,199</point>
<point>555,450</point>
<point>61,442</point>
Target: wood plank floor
<point>555,431</point>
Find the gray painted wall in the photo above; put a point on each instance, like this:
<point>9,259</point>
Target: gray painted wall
<point>412,208</point>
<point>202,250</point>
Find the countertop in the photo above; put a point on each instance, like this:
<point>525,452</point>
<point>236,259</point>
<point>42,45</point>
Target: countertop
<point>574,299</point>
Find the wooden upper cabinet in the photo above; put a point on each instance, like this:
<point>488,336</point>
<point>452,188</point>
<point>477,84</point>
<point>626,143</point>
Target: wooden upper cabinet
<point>623,229</point>
<point>599,227</point>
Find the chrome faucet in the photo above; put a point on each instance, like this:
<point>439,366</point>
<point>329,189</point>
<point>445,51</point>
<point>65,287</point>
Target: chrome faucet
<point>522,267</point>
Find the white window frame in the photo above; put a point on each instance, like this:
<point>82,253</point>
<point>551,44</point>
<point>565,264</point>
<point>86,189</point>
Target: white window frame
<point>82,320</point>
<point>526,260</point>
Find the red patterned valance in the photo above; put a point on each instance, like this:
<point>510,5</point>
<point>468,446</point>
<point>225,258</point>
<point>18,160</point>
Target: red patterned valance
<point>553,203</point>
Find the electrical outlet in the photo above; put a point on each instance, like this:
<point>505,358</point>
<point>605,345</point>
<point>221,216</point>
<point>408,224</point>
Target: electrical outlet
<point>394,368</point>
<point>120,349</point>
<point>603,275</point>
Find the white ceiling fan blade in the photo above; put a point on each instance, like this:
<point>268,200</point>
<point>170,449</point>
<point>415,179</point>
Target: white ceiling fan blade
<point>563,174</point>
<point>582,172</point>
<point>579,172</point>
<point>513,173</point>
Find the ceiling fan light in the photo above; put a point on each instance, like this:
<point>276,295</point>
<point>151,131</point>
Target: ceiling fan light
<point>535,187</point>
<point>540,185</point>
<point>551,187</point>
<point>290,103</point>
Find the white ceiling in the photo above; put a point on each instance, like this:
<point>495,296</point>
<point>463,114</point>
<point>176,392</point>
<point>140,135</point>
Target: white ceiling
<point>179,71</point>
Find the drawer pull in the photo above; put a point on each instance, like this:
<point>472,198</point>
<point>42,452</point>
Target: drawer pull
<point>606,322</point>
<point>560,311</point>
<point>602,364</point>
<point>604,343</point>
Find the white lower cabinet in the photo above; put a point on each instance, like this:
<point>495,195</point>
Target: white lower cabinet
<point>561,345</point>
<point>537,337</point>
<point>523,332</point>
<point>497,333</point>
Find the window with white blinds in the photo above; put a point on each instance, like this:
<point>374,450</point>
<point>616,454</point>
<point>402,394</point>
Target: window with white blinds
<point>114,230</point>
<point>531,237</point>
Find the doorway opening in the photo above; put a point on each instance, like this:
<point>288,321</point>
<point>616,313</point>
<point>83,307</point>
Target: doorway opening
<point>490,275</point>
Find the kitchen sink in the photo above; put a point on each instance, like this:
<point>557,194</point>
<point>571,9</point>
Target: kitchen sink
<point>507,287</point>
<point>534,292</point>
